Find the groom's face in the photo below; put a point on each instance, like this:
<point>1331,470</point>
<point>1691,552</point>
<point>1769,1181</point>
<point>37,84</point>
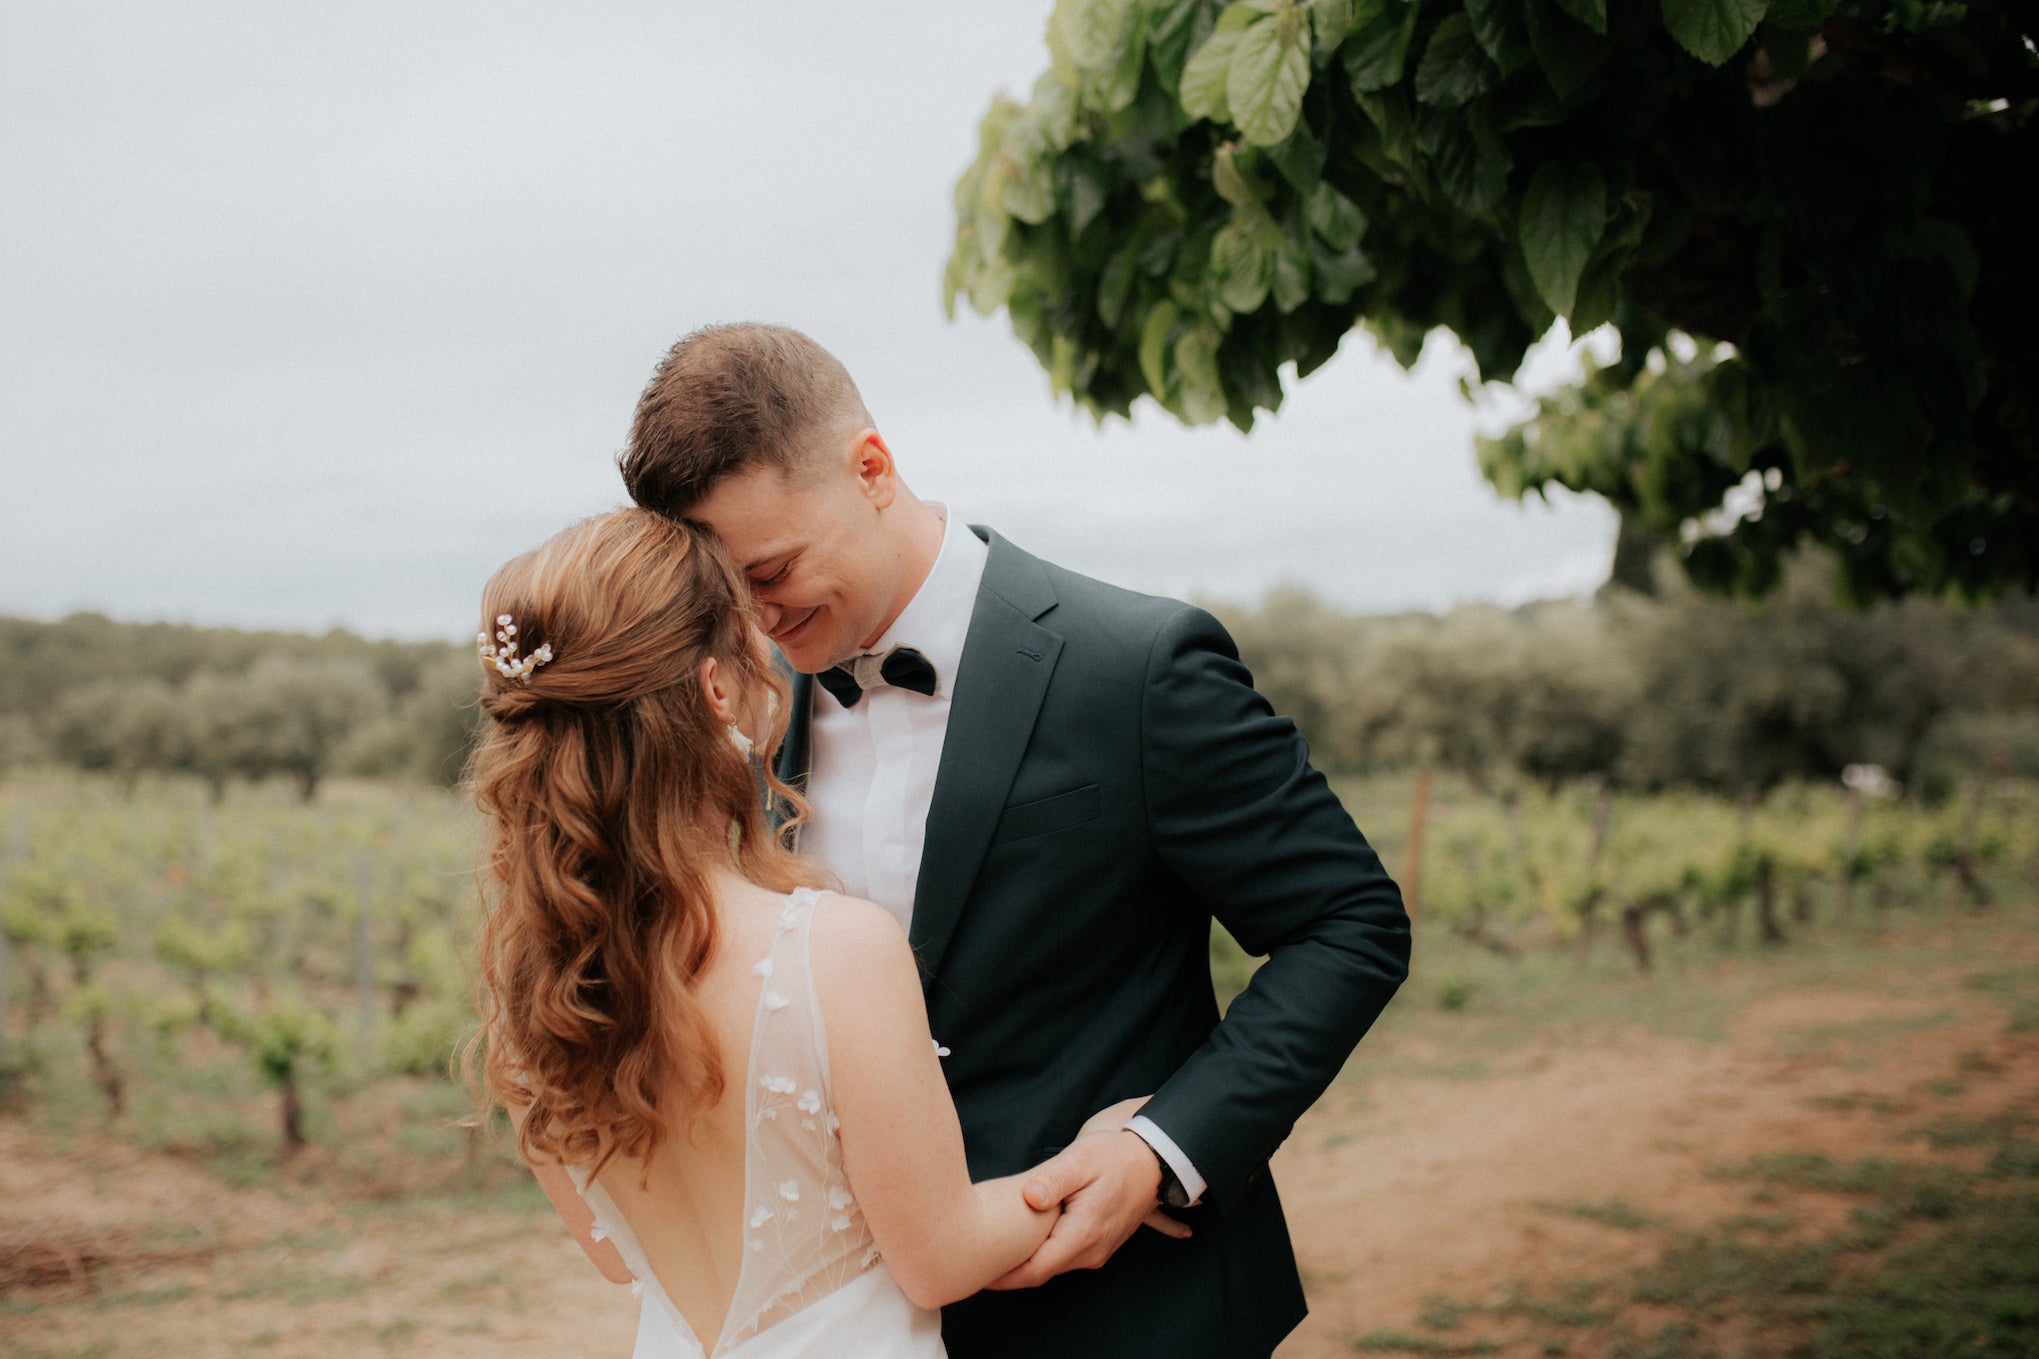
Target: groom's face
<point>815,552</point>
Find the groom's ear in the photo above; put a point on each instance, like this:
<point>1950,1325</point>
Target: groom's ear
<point>877,475</point>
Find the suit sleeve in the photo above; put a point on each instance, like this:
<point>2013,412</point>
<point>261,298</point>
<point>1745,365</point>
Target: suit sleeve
<point>1255,835</point>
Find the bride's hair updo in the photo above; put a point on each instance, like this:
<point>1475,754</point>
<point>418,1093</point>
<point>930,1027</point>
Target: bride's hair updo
<point>610,791</point>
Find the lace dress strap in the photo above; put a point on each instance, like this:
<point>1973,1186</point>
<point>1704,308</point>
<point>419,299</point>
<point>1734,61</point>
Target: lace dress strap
<point>804,1236</point>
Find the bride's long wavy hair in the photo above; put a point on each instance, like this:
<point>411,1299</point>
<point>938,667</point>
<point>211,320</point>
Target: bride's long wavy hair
<point>610,791</point>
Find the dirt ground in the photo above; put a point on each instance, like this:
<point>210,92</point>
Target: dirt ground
<point>1460,1157</point>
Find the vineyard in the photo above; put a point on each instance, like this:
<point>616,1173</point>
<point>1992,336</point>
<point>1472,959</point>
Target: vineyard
<point>232,979</point>
<point>227,1123</point>
<point>1566,867</point>
<point>256,979</point>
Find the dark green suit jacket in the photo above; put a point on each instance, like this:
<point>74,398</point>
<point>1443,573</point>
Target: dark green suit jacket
<point>1109,783</point>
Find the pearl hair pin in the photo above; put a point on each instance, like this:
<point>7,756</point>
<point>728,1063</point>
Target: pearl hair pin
<point>502,653</point>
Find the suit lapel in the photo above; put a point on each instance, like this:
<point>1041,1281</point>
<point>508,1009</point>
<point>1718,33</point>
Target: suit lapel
<point>1008,659</point>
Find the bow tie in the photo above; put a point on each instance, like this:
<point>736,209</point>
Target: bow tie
<point>902,667</point>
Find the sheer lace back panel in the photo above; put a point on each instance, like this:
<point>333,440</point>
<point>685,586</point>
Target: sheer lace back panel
<point>803,1235</point>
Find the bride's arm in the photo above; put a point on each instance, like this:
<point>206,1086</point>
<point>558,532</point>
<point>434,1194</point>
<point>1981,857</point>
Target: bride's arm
<point>942,1237</point>
<point>573,1209</point>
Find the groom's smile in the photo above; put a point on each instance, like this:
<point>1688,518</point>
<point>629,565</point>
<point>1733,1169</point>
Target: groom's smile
<point>785,633</point>
<point>830,560</point>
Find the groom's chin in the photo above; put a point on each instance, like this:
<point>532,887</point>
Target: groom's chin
<point>804,646</point>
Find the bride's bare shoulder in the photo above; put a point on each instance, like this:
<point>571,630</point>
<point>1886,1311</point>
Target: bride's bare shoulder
<point>852,923</point>
<point>859,944</point>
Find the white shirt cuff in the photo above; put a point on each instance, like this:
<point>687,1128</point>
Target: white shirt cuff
<point>1164,1147</point>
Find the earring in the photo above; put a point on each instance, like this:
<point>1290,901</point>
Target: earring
<point>744,745</point>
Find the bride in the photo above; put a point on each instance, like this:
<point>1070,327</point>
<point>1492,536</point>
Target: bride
<point>720,1072</point>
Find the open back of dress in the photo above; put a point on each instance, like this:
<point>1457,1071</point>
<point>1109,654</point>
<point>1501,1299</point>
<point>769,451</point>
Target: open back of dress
<point>811,1282</point>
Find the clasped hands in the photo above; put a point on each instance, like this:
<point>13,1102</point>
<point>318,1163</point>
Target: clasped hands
<point>1106,1181</point>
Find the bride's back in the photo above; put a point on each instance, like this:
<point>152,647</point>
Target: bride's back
<point>686,1203</point>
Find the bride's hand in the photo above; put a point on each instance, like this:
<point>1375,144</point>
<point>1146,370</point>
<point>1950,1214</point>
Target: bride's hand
<point>1104,1182</point>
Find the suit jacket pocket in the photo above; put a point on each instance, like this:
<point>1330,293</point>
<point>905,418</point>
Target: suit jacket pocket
<point>1027,819</point>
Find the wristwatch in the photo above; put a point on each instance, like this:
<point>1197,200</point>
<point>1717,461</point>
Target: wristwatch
<point>1170,1194</point>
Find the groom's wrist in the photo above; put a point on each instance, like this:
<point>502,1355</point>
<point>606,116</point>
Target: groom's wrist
<point>1168,1190</point>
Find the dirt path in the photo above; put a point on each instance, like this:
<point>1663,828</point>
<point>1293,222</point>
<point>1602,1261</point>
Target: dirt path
<point>1426,1180</point>
<point>1470,1189</point>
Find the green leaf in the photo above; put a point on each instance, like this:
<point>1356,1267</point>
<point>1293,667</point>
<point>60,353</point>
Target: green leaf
<point>1084,187</point>
<point>1291,275</point>
<point>1092,32</point>
<point>1377,48</point>
<point>1301,158</point>
<point>1502,31</point>
<point>1335,219</point>
<point>1569,53</point>
<point>1266,81</point>
<point>1114,285</point>
<point>1205,78</point>
<point>1592,13</point>
<point>1054,106</point>
<point>1203,392</point>
<point>1392,118</point>
<point>1028,190</point>
<point>1454,69</point>
<point>1330,21</point>
<point>1338,273</point>
<point>1599,295</point>
<point>1713,30</point>
<point>1472,169</point>
<point>1231,175</point>
<point>989,287</point>
<point>952,281</point>
<point>1242,262</point>
<point>1563,215</point>
<point>1155,333</point>
<point>1242,16</point>
<point>1112,88</point>
<point>1171,28</point>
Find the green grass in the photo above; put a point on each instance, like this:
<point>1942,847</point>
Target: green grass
<point>2017,988</point>
<point>1617,1213</point>
<point>1967,1132</point>
<point>1970,1290</point>
<point>1825,1040</point>
<point>1908,1188</point>
<point>1857,1102</point>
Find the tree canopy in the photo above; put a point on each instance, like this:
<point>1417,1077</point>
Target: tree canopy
<point>1805,218</point>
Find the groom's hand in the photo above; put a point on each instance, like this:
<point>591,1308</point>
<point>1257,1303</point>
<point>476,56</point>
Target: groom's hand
<point>1106,1181</point>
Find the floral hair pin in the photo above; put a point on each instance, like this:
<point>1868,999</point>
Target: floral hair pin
<point>502,653</point>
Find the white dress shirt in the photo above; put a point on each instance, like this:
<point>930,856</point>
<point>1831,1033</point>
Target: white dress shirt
<point>872,776</point>
<point>874,765</point>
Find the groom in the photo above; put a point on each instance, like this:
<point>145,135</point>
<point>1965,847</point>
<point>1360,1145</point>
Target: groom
<point>1056,785</point>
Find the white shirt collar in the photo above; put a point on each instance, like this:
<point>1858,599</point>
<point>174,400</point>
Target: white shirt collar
<point>936,621</point>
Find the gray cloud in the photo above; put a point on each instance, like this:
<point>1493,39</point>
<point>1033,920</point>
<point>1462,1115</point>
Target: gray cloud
<point>312,316</point>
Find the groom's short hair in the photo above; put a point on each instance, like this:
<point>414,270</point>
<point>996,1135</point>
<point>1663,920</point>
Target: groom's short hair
<point>729,398</point>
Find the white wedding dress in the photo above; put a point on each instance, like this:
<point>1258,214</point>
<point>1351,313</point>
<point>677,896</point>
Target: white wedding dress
<point>811,1282</point>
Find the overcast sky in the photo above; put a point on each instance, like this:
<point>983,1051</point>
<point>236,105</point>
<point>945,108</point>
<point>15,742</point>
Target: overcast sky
<point>312,315</point>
